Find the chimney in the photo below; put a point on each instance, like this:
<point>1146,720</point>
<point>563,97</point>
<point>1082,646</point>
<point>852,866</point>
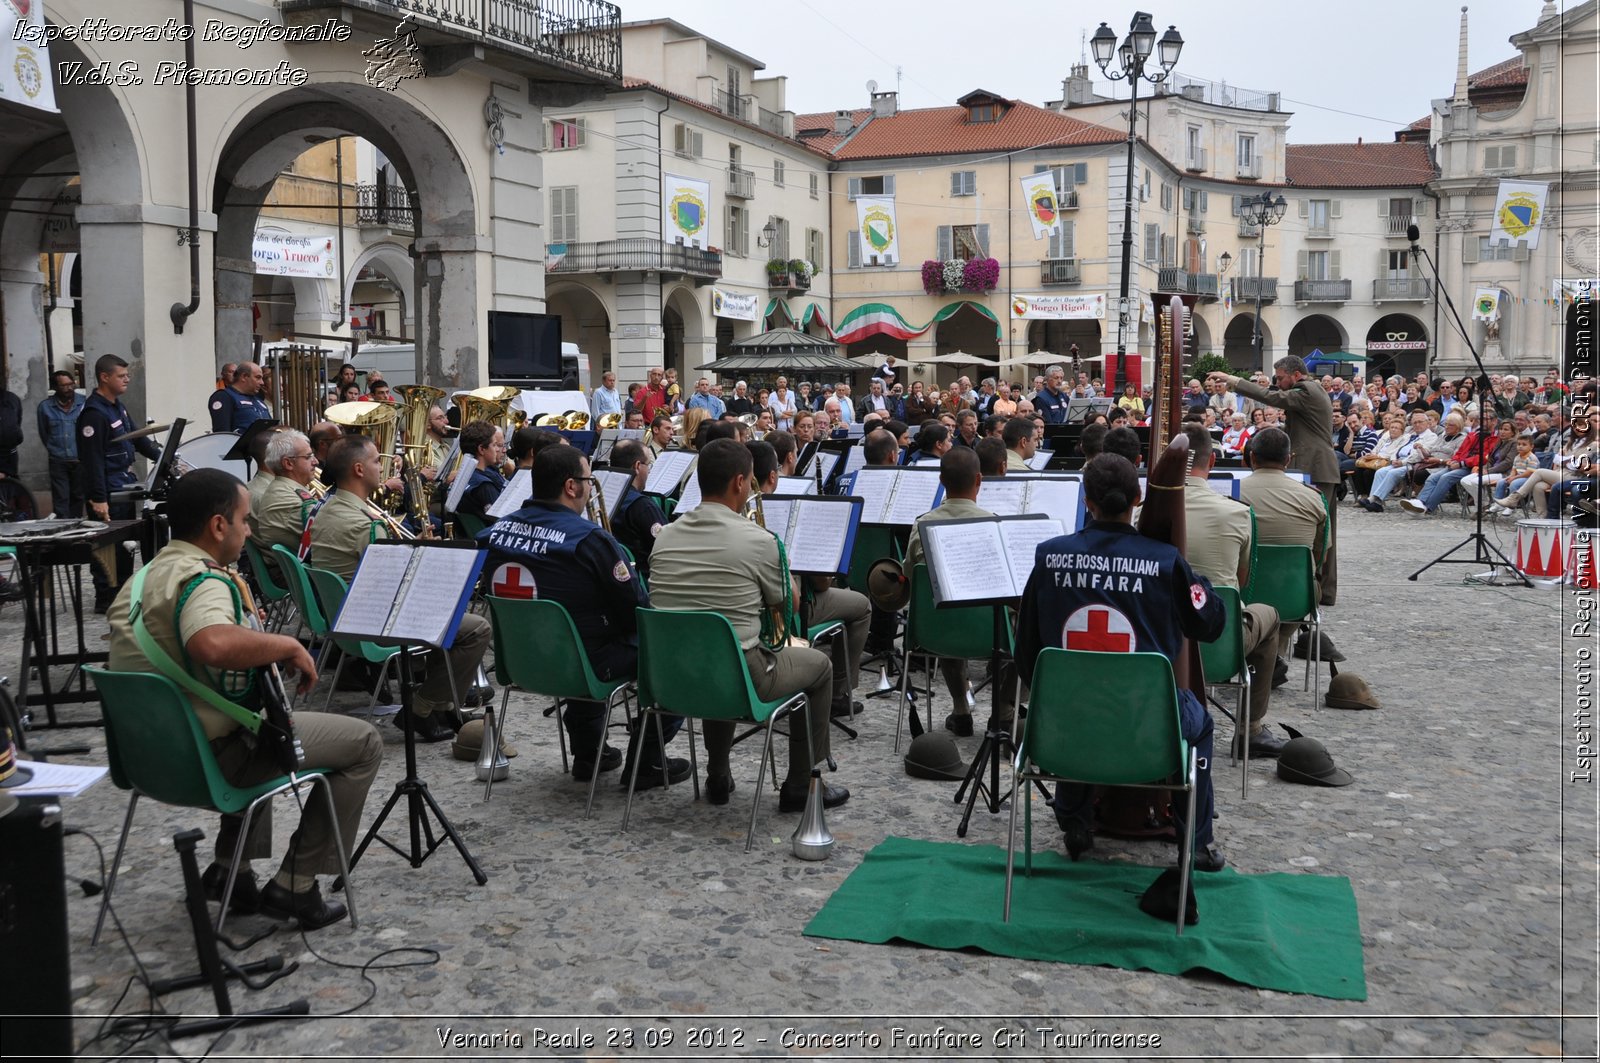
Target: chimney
<point>842,123</point>
<point>1077,88</point>
<point>1358,142</point>
<point>1460,96</point>
<point>885,104</point>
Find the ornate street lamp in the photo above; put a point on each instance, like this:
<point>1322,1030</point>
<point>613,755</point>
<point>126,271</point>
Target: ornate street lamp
<point>1131,57</point>
<point>1261,211</point>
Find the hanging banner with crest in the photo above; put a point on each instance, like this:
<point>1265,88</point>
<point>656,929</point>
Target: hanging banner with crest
<point>880,236</point>
<point>1519,212</point>
<point>685,211</point>
<point>1039,193</point>
<point>26,75</point>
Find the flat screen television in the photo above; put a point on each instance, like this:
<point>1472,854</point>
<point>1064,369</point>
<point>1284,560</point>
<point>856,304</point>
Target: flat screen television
<point>523,347</point>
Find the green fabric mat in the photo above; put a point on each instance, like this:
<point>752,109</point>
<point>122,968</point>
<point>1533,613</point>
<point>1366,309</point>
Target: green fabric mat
<point>1291,933</point>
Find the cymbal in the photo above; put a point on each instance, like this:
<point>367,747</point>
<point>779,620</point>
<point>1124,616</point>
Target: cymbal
<point>147,430</point>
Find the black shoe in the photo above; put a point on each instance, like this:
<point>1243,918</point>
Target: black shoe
<point>1265,743</point>
<point>1280,673</point>
<point>9,592</point>
<point>1328,651</point>
<point>959,724</point>
<point>1079,839</point>
<point>1209,858</point>
<point>718,788</point>
<point>677,772</point>
<point>478,697</point>
<point>429,728</point>
<point>610,760</point>
<point>309,908</point>
<point>1372,505</point>
<point>795,800</point>
<point>847,709</point>
<point>246,898</point>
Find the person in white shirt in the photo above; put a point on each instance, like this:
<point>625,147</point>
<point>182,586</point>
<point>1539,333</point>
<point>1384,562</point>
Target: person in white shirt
<point>847,409</point>
<point>782,404</point>
<point>605,399</point>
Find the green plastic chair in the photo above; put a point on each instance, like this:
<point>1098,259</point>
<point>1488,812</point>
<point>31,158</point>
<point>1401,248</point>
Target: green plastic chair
<point>1285,577</point>
<point>965,632</point>
<point>472,524</point>
<point>274,593</point>
<point>690,665</point>
<point>547,659</point>
<point>330,591</point>
<point>1224,666</point>
<point>1104,719</point>
<point>874,542</point>
<point>156,748</point>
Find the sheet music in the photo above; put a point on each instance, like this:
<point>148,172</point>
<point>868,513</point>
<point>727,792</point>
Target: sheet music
<point>458,486</point>
<point>56,780</point>
<point>928,460</point>
<point>514,497</point>
<point>797,485</point>
<point>1223,485</point>
<point>690,499</point>
<point>828,460</point>
<point>872,486</point>
<point>916,494</point>
<point>613,483</point>
<point>668,471</point>
<point>1021,539</point>
<point>776,514</point>
<point>1056,498</point>
<point>818,533</point>
<point>967,560</point>
<point>855,459</point>
<point>374,589</point>
<point>428,604</point>
<point>1004,497</point>
<point>1040,459</point>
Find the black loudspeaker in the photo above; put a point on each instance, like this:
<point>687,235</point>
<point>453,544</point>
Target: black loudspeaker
<point>35,988</point>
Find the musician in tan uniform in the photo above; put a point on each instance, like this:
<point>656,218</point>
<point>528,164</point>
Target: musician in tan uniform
<point>714,559</point>
<point>279,518</point>
<point>193,612</point>
<point>341,531</point>
<point>958,472</point>
<point>258,454</point>
<point>1288,513</point>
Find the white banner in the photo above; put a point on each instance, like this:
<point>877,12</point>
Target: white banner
<point>880,235</point>
<point>738,306</point>
<point>281,253</point>
<point>1058,307</point>
<point>1039,193</point>
<point>26,76</point>
<point>1486,304</point>
<point>685,211</point>
<point>1519,212</point>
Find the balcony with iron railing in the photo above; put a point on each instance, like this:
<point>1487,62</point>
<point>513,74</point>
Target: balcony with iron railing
<point>1060,271</point>
<point>1195,160</point>
<point>1172,279</point>
<point>636,254</point>
<point>1401,290</point>
<point>1245,289</point>
<point>386,205</point>
<point>1322,291</point>
<point>1399,223</point>
<point>1195,225</point>
<point>1250,169</point>
<point>741,183</point>
<point>1205,285</point>
<point>560,40</point>
<point>1249,230</point>
<point>733,105</point>
<point>1067,200</point>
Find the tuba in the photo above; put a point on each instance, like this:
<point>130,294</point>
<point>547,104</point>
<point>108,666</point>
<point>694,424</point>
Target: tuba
<point>608,421</point>
<point>475,406</point>
<point>377,420</point>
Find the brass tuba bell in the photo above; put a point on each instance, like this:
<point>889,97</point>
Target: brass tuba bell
<point>608,421</point>
<point>557,421</point>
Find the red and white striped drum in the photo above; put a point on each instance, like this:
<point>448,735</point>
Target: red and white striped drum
<point>1543,546</point>
<point>1583,559</point>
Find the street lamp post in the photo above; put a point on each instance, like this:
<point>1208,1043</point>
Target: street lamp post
<point>1261,211</point>
<point>1135,50</point>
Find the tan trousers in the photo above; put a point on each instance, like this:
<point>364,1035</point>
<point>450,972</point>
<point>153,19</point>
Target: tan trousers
<point>786,672</point>
<point>473,639</point>
<point>1260,623</point>
<point>851,609</point>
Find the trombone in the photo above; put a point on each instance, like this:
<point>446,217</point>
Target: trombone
<point>595,508</point>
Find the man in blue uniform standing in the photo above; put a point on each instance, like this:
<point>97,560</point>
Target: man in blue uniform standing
<point>549,550</point>
<point>1109,588</point>
<point>107,467</point>
<point>238,406</point>
<point>1052,399</point>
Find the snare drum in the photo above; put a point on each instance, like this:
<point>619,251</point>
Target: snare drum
<point>1582,559</point>
<point>1543,546</point>
<point>206,452</point>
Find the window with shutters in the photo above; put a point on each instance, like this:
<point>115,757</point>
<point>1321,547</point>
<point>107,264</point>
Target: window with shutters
<point>1152,242</point>
<point>1169,250</point>
<point>816,251</point>
<point>1502,157</point>
<point>881,185</point>
<point>1248,262</point>
<point>1246,151</point>
<point>1493,252</point>
<point>1316,216</point>
<point>565,134</point>
<point>854,258</point>
<point>736,237</point>
<point>814,185</point>
<point>962,241</point>
<point>1166,196</point>
<point>687,142</point>
<point>964,183</point>
<point>1317,266</point>
<point>1193,256</point>
<point>777,173</point>
<point>780,238</point>
<point>1061,243</point>
<point>564,215</point>
<point>1397,264</point>
<point>1067,175</point>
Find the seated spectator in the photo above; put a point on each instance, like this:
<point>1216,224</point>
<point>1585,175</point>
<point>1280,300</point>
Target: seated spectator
<point>1237,437</point>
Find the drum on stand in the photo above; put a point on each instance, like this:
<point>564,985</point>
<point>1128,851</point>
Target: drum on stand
<point>1543,547</point>
<point>207,452</point>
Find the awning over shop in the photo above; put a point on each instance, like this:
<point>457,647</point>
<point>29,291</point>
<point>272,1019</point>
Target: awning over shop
<point>1317,357</point>
<point>882,319</point>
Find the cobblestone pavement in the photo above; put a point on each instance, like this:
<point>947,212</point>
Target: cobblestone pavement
<point>1472,858</point>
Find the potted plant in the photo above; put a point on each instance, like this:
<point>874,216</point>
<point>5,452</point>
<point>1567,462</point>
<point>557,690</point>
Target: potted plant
<point>800,273</point>
<point>933,276</point>
<point>980,275</point>
<point>778,273</point>
<point>954,270</point>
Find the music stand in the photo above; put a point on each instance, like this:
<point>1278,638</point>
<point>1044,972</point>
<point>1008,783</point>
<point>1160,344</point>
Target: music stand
<point>378,609</point>
<point>1013,540</point>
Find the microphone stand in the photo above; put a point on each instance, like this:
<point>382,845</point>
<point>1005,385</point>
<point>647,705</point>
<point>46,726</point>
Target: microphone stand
<point>1483,551</point>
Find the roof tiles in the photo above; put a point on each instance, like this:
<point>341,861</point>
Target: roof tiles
<point>1361,165</point>
<point>947,131</point>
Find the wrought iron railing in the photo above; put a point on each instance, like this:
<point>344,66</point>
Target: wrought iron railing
<point>741,182</point>
<point>1323,291</point>
<point>1401,289</point>
<point>636,253</point>
<point>1172,279</point>
<point>384,204</point>
<point>1245,289</point>
<point>1060,271</point>
<point>733,105</point>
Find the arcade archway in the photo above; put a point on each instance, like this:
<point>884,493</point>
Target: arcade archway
<point>1318,332</point>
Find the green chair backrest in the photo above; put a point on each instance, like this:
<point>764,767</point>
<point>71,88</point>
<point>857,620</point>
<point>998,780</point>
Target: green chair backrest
<point>305,599</point>
<point>963,631</point>
<point>1224,659</point>
<point>549,658</point>
<point>330,590</point>
<point>1108,718</point>
<point>874,542</point>
<point>156,744</point>
<point>1285,579</point>
<point>266,578</point>
<point>471,524</point>
<point>690,663</point>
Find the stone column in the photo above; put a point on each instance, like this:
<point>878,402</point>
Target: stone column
<point>449,317</point>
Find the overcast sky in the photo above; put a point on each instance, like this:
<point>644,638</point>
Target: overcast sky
<point>1352,68</point>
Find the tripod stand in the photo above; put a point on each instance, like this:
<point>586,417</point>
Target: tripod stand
<point>417,795</point>
<point>997,745</point>
<point>1483,551</point>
